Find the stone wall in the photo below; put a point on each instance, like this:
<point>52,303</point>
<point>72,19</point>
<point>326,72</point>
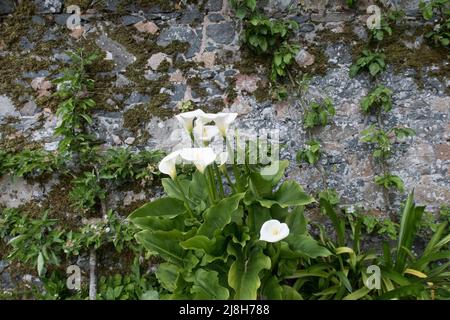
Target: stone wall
<point>158,55</point>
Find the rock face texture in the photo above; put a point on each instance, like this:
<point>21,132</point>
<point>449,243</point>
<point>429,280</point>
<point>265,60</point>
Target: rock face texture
<point>157,56</point>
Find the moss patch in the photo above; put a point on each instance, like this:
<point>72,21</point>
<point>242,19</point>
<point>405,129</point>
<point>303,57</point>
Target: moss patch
<point>17,26</point>
<point>13,141</point>
<point>231,91</point>
<point>17,65</point>
<point>262,93</point>
<point>320,65</point>
<point>250,62</point>
<point>156,106</point>
<point>135,118</point>
<point>216,105</point>
<point>184,66</point>
<point>195,84</point>
<point>401,57</point>
<point>143,49</point>
<point>165,5</point>
<point>347,35</point>
<point>397,53</point>
<point>164,67</point>
<point>59,204</point>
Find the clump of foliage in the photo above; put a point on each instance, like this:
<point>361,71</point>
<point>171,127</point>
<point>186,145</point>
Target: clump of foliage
<point>95,233</point>
<point>403,274</point>
<point>319,114</point>
<point>251,240</point>
<point>370,61</point>
<point>310,154</point>
<point>210,237</point>
<point>29,163</point>
<point>120,165</point>
<point>243,8</point>
<point>133,286</point>
<point>266,36</point>
<point>351,3</point>
<point>283,57</point>
<point>384,30</point>
<point>373,224</point>
<point>34,241</point>
<point>74,87</point>
<point>389,181</point>
<point>440,35</point>
<point>87,191</point>
<point>39,241</point>
<point>378,99</point>
<point>383,145</point>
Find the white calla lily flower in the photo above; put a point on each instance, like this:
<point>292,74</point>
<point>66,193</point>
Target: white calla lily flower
<point>222,158</point>
<point>204,133</point>
<point>273,231</point>
<point>200,157</point>
<point>168,164</point>
<point>187,119</point>
<point>222,120</point>
<point>207,117</point>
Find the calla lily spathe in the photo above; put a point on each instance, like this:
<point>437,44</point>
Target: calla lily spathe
<point>187,119</point>
<point>168,164</point>
<point>200,157</point>
<point>222,158</point>
<point>205,133</point>
<point>222,120</point>
<point>273,231</point>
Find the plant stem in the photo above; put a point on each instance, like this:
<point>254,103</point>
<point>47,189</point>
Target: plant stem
<point>212,182</point>
<point>219,180</point>
<point>277,248</point>
<point>290,77</point>
<point>227,176</point>
<point>234,166</point>
<point>208,183</point>
<point>384,170</point>
<point>323,173</point>
<point>186,202</point>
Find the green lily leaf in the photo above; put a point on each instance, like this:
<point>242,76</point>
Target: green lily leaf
<point>271,289</point>
<point>198,190</point>
<point>163,207</point>
<point>167,275</point>
<point>214,247</point>
<point>257,215</point>
<point>296,221</point>
<point>206,286</point>
<point>307,246</point>
<point>157,223</point>
<point>172,190</point>
<point>164,243</point>
<point>243,276</point>
<point>219,215</point>
<point>289,194</point>
<point>238,234</point>
<point>290,293</point>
